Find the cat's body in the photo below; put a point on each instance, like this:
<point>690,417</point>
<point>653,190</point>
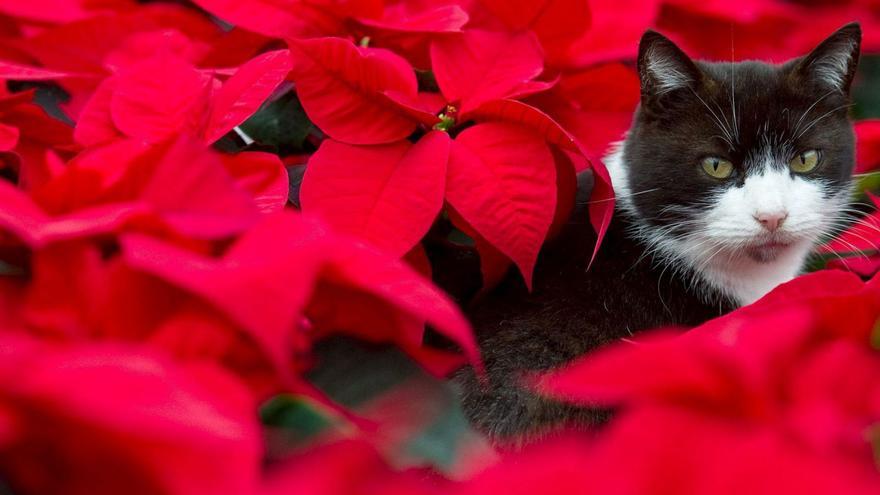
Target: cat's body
<point>570,311</point>
<point>727,179</point>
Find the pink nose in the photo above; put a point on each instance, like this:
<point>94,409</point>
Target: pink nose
<point>771,221</point>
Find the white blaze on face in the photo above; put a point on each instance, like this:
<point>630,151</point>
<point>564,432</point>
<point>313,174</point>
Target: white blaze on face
<point>744,255</point>
<point>727,247</point>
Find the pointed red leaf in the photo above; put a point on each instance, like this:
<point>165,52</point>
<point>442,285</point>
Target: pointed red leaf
<point>61,11</point>
<point>442,19</point>
<point>596,105</point>
<point>276,18</point>
<point>557,23</point>
<point>160,98</point>
<point>183,183</point>
<point>244,92</point>
<point>87,45</point>
<point>341,88</point>
<point>388,195</point>
<point>603,200</point>
<point>368,9</point>
<point>614,34</point>
<point>259,292</point>
<point>502,180</point>
<point>144,45</point>
<point>479,66</point>
<point>119,406</point>
<point>12,70</point>
<point>868,145</point>
<point>863,237</point>
<point>522,114</point>
<point>189,187</point>
<point>261,174</point>
<point>423,107</point>
<point>394,282</point>
<point>95,125</point>
<point>8,137</point>
<point>19,215</point>
<point>26,221</point>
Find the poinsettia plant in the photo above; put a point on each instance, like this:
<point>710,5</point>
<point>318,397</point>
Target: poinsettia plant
<point>213,274</point>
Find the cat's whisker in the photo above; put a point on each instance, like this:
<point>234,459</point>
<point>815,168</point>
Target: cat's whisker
<point>854,249</point>
<point>620,196</point>
<point>797,125</point>
<point>724,130</point>
<point>817,120</point>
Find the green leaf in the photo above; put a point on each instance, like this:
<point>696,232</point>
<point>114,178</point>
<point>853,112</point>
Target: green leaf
<point>282,125</point>
<point>296,413</point>
<point>418,417</point>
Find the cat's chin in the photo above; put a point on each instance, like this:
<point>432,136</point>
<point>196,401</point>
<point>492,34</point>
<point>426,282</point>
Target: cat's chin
<point>767,252</point>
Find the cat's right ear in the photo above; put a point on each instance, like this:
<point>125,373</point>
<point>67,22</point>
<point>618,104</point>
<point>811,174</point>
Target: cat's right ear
<point>664,68</point>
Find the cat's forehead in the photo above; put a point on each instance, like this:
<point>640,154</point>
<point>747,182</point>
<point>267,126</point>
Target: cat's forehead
<point>762,105</point>
<point>765,89</point>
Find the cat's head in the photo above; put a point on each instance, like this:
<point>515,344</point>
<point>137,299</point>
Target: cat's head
<point>732,171</point>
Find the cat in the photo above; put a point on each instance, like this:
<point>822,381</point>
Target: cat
<point>728,177</point>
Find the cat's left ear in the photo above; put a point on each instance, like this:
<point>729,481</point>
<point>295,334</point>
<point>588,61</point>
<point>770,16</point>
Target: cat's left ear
<point>833,63</point>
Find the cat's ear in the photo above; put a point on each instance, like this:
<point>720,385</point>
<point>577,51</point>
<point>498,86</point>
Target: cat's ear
<point>664,67</point>
<point>833,63</point>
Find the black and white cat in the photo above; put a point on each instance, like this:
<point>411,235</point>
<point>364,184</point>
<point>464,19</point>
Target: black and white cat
<point>727,179</point>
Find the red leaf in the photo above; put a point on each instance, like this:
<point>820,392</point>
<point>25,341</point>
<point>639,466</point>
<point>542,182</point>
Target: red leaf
<point>181,185</point>
<point>11,70</point>
<point>245,91</point>
<point>160,98</point>
<point>61,11</point>
<point>423,107</point>
<point>557,23</point>
<point>370,9</point>
<point>521,114</point>
<point>88,45</point>
<point>341,88</point>
<point>389,194</point>
<point>95,125</point>
<point>603,200</point>
<point>403,288</point>
<point>867,145</point>
<point>479,66</point>
<point>744,11</point>
<point>8,137</point>
<point>417,258</point>
<point>263,175</point>
<point>259,292</point>
<point>608,377</point>
<point>596,105</point>
<point>442,19</point>
<point>136,411</point>
<point>614,35</point>
<point>193,193</point>
<point>863,237</point>
<point>502,180</point>
<point>276,18</point>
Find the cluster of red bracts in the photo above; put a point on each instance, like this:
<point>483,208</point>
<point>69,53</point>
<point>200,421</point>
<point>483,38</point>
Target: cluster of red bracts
<point>154,291</point>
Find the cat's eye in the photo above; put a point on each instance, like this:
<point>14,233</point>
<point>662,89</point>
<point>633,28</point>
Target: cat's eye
<point>805,162</point>
<point>718,168</point>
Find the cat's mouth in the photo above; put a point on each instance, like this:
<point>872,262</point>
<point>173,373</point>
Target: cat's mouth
<point>767,251</point>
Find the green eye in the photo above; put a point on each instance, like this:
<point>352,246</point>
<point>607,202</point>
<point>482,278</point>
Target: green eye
<point>805,162</point>
<point>718,168</point>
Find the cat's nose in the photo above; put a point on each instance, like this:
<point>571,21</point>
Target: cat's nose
<point>771,220</point>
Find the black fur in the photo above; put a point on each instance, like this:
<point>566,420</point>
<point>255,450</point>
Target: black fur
<point>677,129</point>
<point>573,310</point>
<point>570,311</point>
